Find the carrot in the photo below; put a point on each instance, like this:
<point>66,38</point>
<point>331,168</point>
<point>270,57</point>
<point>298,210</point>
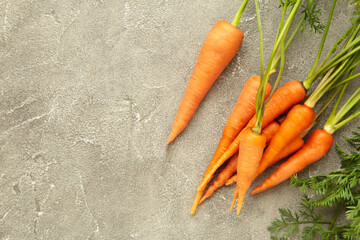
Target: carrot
<point>298,120</point>
<point>221,179</point>
<point>285,97</point>
<point>289,94</point>
<point>250,154</point>
<point>317,145</point>
<point>231,180</point>
<point>220,46</point>
<point>287,151</point>
<point>319,142</point>
<point>243,111</point>
<point>230,168</point>
<point>270,131</point>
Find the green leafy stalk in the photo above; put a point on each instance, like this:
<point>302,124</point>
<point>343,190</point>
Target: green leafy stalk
<point>346,113</point>
<point>239,13</point>
<point>330,79</point>
<point>260,103</point>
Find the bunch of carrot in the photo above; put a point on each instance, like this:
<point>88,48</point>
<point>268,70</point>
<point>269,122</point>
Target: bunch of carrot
<point>254,123</point>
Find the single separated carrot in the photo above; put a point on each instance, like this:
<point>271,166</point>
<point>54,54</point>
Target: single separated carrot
<point>230,168</point>
<point>250,154</point>
<point>317,145</point>
<point>285,152</point>
<point>220,46</point>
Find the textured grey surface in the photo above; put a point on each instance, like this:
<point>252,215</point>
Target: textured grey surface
<point>88,94</point>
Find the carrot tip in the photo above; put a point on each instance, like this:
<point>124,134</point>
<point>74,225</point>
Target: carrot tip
<point>256,190</point>
<point>196,203</point>
<point>234,200</point>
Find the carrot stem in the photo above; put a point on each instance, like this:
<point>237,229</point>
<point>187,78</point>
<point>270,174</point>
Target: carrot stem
<point>260,103</point>
<point>323,39</point>
<point>236,20</point>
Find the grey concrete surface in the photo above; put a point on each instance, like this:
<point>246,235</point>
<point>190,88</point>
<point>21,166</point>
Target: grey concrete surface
<point>88,93</point>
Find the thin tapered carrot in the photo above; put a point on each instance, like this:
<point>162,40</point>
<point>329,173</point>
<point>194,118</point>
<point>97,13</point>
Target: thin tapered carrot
<point>298,120</point>
<point>250,154</point>
<point>220,46</point>
<point>230,168</point>
<point>231,180</point>
<point>317,145</point>
<point>287,151</point>
<point>221,179</point>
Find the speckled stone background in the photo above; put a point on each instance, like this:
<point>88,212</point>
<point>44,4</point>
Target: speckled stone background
<point>89,90</point>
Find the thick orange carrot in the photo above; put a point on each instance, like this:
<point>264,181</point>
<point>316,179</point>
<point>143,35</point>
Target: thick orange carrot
<point>250,155</point>
<point>230,168</point>
<point>284,98</point>
<point>289,149</point>
<point>220,46</point>
<point>298,120</point>
<point>317,145</point>
<point>223,176</point>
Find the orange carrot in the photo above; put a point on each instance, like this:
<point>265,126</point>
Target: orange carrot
<point>270,130</point>
<point>231,180</point>
<point>298,120</point>
<point>243,111</point>
<point>230,168</point>
<point>250,153</point>
<point>285,97</point>
<point>317,145</point>
<point>221,179</point>
<point>220,46</point>
<point>287,151</point>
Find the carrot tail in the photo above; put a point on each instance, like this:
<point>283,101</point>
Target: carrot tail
<point>286,151</point>
<point>196,202</point>
<point>222,178</point>
<point>317,145</point>
<point>220,46</point>
<point>231,180</point>
<point>298,119</point>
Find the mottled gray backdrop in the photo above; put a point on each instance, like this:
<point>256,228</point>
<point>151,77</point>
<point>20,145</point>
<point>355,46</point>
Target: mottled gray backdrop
<point>89,90</point>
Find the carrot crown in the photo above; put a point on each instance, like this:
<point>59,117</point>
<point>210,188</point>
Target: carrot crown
<point>350,47</point>
<point>349,110</point>
<point>279,42</point>
<point>239,13</point>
